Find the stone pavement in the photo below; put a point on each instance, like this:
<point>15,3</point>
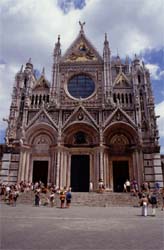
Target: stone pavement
<point>79,228</point>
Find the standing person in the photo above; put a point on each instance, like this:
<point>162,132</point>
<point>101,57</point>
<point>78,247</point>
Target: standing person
<point>62,198</point>
<point>157,186</point>
<point>10,197</point>
<point>15,197</point>
<point>90,186</point>
<point>153,201</point>
<point>162,194</point>
<point>52,199</point>
<point>127,183</point>
<point>144,205</point>
<point>101,185</point>
<point>37,199</point>
<point>68,198</point>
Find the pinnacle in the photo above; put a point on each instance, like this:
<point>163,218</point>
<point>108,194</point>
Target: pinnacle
<point>43,71</point>
<point>29,61</point>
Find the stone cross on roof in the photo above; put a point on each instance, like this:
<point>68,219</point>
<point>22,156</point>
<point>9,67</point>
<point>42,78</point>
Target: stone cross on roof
<point>81,25</point>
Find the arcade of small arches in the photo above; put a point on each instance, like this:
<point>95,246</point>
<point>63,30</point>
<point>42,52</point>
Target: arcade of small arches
<point>79,156</point>
<point>37,100</point>
<point>123,98</point>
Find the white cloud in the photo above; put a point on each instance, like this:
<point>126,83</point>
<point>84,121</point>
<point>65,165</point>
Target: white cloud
<point>154,71</point>
<point>160,111</point>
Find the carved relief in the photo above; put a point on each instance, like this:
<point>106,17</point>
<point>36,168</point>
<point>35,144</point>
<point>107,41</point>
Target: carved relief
<point>81,52</point>
<point>119,139</point>
<point>42,140</point>
<point>54,116</point>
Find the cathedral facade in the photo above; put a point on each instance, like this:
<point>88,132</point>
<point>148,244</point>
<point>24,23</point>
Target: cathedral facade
<point>94,121</point>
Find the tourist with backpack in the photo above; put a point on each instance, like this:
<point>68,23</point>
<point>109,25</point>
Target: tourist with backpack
<point>68,198</point>
<point>153,202</point>
<point>62,198</point>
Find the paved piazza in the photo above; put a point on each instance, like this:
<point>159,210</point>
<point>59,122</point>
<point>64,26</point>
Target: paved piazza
<point>80,228</point>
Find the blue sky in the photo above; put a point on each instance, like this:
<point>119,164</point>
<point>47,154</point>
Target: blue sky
<point>30,29</point>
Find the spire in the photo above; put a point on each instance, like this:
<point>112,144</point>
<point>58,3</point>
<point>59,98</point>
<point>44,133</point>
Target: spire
<point>43,71</point>
<point>136,60</point>
<point>57,50</point>
<point>106,40</point>
<point>29,61</point>
<point>118,60</point>
<point>107,67</point>
<point>21,69</point>
<point>58,39</point>
<point>105,36</point>
<point>29,65</point>
<point>106,48</point>
<point>81,27</point>
<point>127,60</point>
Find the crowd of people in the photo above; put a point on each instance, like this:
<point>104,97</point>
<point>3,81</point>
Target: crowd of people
<point>43,195</point>
<point>48,195</point>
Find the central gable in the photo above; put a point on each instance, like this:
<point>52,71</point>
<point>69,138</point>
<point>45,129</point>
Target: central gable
<point>81,50</point>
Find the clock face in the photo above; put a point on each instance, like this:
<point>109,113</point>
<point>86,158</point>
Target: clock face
<point>81,86</point>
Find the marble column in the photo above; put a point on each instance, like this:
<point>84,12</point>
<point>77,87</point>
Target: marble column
<point>26,176</point>
<point>101,174</point>
<point>61,169</point>
<point>20,166</point>
<point>23,167</point>
<point>69,169</point>
<point>58,169</point>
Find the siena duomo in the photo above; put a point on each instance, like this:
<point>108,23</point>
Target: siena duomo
<point>94,120</point>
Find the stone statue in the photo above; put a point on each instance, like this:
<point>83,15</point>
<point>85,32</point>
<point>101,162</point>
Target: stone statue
<point>82,25</point>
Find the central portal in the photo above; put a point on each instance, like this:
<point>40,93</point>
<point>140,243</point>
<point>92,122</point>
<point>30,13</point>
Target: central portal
<point>40,171</point>
<point>80,173</point>
<point>120,175</point>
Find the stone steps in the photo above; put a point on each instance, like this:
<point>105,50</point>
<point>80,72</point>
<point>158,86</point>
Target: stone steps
<point>87,199</point>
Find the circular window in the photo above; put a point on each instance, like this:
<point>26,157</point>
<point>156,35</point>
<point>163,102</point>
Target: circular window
<point>81,86</point>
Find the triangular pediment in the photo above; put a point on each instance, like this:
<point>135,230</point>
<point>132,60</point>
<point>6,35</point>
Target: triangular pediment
<point>42,117</point>
<point>81,50</point>
<point>121,81</point>
<point>119,115</point>
<point>80,115</point>
<point>41,84</point>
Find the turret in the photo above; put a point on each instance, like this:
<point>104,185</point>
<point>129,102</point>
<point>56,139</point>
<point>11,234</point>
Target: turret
<point>107,68</point>
<point>136,62</point>
<point>55,70</point>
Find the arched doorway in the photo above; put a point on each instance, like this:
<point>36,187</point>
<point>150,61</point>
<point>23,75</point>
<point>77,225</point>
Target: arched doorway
<point>121,139</point>
<point>40,172</point>
<point>41,138</point>
<point>81,139</point>
<point>80,173</point>
<point>120,175</point>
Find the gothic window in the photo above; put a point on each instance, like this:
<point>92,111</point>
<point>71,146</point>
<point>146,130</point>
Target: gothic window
<point>122,98</point>
<point>80,137</point>
<point>130,98</point>
<point>40,99</point>
<point>126,96</point>
<point>44,98</point>
<point>22,103</point>
<point>139,78</point>
<point>25,82</point>
<point>32,100</point>
<point>114,98</point>
<point>118,97</point>
<point>36,99</point>
<point>81,86</point>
